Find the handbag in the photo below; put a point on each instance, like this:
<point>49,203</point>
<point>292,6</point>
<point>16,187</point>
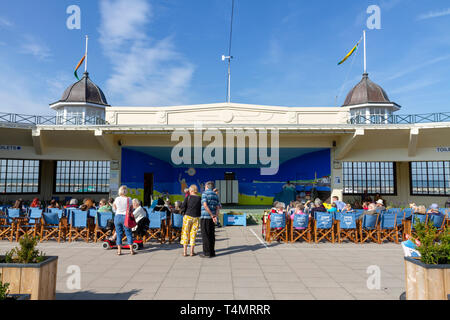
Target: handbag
<point>130,221</point>
<point>184,208</point>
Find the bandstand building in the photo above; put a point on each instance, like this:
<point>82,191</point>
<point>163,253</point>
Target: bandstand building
<point>89,148</point>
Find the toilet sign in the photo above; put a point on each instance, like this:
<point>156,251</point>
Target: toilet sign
<point>10,148</point>
<point>443,149</point>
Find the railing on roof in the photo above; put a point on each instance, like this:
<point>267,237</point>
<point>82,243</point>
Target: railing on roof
<point>401,118</point>
<point>50,120</point>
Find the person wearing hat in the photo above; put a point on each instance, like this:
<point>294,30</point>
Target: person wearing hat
<point>380,205</point>
<point>434,210</point>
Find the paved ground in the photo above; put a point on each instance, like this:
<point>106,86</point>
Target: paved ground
<point>245,268</point>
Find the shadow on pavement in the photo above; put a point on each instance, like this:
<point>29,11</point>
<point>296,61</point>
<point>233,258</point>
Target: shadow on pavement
<point>89,295</point>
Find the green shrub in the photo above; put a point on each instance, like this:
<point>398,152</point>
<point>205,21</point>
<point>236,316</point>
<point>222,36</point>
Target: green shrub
<point>433,248</point>
<point>27,253</point>
<point>4,287</point>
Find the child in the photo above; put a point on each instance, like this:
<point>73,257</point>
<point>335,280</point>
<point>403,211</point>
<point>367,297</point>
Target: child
<point>299,209</point>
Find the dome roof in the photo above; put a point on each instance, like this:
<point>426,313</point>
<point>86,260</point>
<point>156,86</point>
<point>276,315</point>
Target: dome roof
<point>366,91</point>
<point>84,91</point>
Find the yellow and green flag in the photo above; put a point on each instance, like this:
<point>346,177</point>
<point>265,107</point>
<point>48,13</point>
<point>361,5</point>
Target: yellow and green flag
<point>350,53</point>
<point>78,67</point>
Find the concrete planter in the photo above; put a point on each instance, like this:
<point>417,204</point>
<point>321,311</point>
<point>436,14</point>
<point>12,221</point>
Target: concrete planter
<point>36,279</point>
<point>426,281</point>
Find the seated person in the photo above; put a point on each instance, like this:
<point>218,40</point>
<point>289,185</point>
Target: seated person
<point>365,205</point>
<point>160,207</point>
<point>370,212</point>
<point>348,208</point>
<point>318,207</point>
<point>434,210</point>
<point>104,206</point>
<point>177,207</point>
<point>141,219</point>
<point>380,205</point>
<point>35,204</point>
<point>53,204</point>
<point>340,205</point>
<point>298,210</point>
<point>73,203</point>
<point>19,205</point>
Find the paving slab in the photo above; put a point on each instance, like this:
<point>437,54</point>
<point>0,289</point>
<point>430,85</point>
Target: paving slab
<point>244,268</point>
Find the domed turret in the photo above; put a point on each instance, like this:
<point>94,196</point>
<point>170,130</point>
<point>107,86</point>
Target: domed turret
<point>82,103</point>
<point>369,103</point>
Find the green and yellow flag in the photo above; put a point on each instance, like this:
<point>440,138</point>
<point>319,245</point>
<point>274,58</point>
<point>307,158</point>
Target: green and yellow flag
<point>350,53</point>
<point>78,66</point>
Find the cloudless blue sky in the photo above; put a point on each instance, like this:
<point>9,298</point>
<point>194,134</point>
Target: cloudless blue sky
<point>286,51</point>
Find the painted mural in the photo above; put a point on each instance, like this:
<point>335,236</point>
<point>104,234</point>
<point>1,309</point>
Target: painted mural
<point>303,167</point>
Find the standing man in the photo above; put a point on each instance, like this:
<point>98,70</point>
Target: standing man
<point>208,219</point>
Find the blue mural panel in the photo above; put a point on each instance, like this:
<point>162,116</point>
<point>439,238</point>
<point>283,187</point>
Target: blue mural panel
<point>305,167</point>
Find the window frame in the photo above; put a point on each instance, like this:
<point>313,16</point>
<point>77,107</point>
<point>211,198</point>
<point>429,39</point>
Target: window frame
<point>367,174</point>
<point>81,175</point>
<point>39,179</point>
<point>427,175</point>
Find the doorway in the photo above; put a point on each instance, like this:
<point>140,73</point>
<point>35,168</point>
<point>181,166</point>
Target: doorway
<point>148,189</point>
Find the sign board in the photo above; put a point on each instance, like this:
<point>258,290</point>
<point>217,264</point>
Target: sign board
<point>10,148</point>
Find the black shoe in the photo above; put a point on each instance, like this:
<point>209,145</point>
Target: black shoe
<point>201,255</point>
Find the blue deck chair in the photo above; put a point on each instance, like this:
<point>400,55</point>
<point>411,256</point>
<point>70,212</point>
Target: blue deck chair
<point>51,227</point>
<point>176,225</point>
<point>13,216</point>
<point>78,228</point>
<point>324,227</point>
<point>155,229</point>
<point>438,221</point>
<point>277,228</point>
<point>416,217</point>
<point>358,212</point>
<point>368,228</point>
<point>346,227</point>
<point>101,221</point>
<point>301,228</point>
<point>32,226</point>
<point>407,212</point>
<point>387,229</point>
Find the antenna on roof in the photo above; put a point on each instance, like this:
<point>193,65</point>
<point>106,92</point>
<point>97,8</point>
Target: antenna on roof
<point>229,57</point>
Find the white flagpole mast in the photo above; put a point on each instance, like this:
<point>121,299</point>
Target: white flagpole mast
<point>229,57</point>
<point>86,55</point>
<point>365,57</point>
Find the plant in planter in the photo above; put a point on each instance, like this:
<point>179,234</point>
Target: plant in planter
<point>426,277</point>
<point>3,290</point>
<point>29,271</point>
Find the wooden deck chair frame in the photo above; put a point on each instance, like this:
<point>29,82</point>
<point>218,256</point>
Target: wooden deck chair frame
<point>50,231</point>
<point>174,233</point>
<point>366,234</point>
<point>6,228</point>
<point>79,232</point>
<point>281,235</point>
<point>387,234</point>
<point>320,234</point>
<point>299,234</point>
<point>346,234</point>
<point>155,233</point>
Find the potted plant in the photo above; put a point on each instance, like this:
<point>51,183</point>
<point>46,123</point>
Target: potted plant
<point>428,276</point>
<point>28,271</point>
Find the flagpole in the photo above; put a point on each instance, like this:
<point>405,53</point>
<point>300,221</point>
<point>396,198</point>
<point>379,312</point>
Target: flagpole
<point>86,55</point>
<point>365,58</point>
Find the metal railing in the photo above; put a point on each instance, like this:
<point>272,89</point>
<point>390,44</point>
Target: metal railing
<point>400,118</point>
<point>50,120</point>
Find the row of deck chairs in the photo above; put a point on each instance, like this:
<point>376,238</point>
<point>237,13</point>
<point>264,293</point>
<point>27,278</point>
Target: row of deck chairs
<point>389,225</point>
<point>73,224</point>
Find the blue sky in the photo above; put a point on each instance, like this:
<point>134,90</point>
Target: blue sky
<point>168,52</point>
